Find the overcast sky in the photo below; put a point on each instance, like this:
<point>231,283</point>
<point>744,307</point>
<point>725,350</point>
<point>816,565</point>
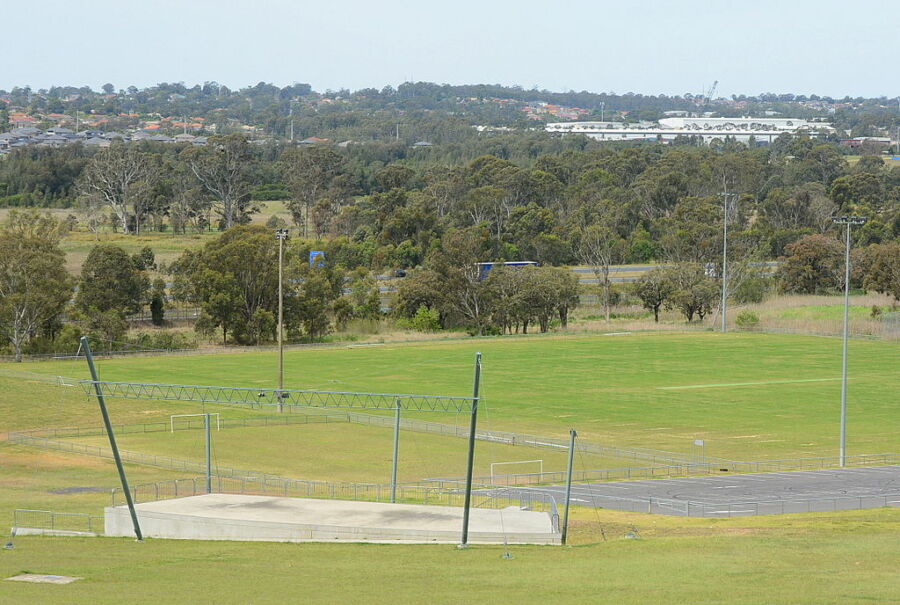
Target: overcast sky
<point>651,46</point>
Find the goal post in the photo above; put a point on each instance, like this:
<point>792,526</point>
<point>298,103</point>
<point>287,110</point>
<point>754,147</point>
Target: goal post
<point>174,416</point>
<point>540,464</point>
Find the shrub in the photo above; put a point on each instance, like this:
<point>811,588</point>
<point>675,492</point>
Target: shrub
<point>752,290</point>
<point>426,319</point>
<point>747,320</point>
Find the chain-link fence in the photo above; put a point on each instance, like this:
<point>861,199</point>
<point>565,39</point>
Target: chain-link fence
<point>54,439</point>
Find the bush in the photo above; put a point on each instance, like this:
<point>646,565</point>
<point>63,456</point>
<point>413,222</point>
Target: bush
<point>752,290</point>
<point>163,340</point>
<point>276,222</point>
<point>270,192</point>
<point>426,319</point>
<point>747,320</point>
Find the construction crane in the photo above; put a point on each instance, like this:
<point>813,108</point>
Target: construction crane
<point>709,93</point>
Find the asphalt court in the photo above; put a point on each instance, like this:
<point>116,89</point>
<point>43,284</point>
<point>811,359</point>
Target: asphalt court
<point>729,495</point>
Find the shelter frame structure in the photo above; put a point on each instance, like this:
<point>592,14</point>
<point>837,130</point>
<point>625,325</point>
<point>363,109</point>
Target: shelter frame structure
<point>279,398</point>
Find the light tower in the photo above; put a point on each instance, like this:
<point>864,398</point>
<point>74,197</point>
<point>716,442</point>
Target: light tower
<point>849,221</point>
<point>281,235</point>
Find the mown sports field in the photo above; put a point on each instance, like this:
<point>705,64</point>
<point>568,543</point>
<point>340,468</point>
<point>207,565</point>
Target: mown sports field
<point>749,396</point>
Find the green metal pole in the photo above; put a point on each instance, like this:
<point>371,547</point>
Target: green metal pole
<point>280,322</point>
<point>208,455</point>
<point>396,453</point>
<point>112,437</point>
<point>471,460</point>
<point>843,446</point>
<point>565,526</point>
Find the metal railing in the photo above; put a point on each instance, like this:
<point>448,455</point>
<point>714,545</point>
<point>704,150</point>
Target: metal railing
<point>183,425</point>
<point>683,470</point>
<point>54,441</point>
<point>410,493</point>
<point>689,508</point>
<point>27,520</point>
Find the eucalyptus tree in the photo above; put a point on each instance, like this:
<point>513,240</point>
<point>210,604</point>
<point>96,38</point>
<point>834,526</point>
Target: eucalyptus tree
<point>34,284</point>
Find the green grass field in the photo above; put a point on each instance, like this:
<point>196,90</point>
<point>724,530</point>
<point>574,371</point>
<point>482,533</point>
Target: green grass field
<point>749,395</point>
<point>345,452</point>
<point>824,559</point>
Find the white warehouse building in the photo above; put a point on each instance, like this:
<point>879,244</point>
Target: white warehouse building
<point>763,130</point>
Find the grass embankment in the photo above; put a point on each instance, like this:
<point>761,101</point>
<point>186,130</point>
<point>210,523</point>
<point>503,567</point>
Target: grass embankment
<point>817,558</point>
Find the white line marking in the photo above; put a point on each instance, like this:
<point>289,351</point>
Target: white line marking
<point>744,384</point>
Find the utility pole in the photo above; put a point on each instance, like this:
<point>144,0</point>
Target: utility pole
<point>281,235</point>
<point>849,221</point>
<point>724,305</point>
<point>291,114</point>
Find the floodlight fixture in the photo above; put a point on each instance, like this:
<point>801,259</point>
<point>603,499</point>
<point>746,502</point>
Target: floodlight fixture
<point>849,220</point>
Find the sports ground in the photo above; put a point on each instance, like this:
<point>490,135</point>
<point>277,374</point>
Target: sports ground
<point>747,396</point>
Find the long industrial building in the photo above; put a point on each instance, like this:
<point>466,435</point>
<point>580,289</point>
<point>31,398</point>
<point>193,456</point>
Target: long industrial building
<point>761,130</point>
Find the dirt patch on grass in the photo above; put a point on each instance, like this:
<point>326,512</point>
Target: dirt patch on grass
<point>35,459</point>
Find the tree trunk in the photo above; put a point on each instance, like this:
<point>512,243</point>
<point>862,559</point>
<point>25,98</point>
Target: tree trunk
<point>606,286</point>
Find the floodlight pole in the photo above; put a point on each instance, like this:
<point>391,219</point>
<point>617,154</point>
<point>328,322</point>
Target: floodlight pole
<point>565,526</point>
<point>112,437</point>
<point>396,453</point>
<point>206,418</point>
<point>281,235</point>
<point>848,221</point>
<point>471,459</point>
<point>724,305</point>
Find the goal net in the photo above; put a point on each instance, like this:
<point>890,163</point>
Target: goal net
<point>191,421</point>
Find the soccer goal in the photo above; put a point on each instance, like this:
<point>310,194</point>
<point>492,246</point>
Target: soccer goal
<point>174,416</point>
<point>539,464</point>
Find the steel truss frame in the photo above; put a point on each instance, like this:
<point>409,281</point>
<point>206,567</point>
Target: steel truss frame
<point>276,397</point>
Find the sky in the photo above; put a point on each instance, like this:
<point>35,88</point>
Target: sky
<point>824,47</point>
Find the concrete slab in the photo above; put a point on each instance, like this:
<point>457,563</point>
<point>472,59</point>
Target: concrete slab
<point>38,578</point>
<point>268,518</point>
